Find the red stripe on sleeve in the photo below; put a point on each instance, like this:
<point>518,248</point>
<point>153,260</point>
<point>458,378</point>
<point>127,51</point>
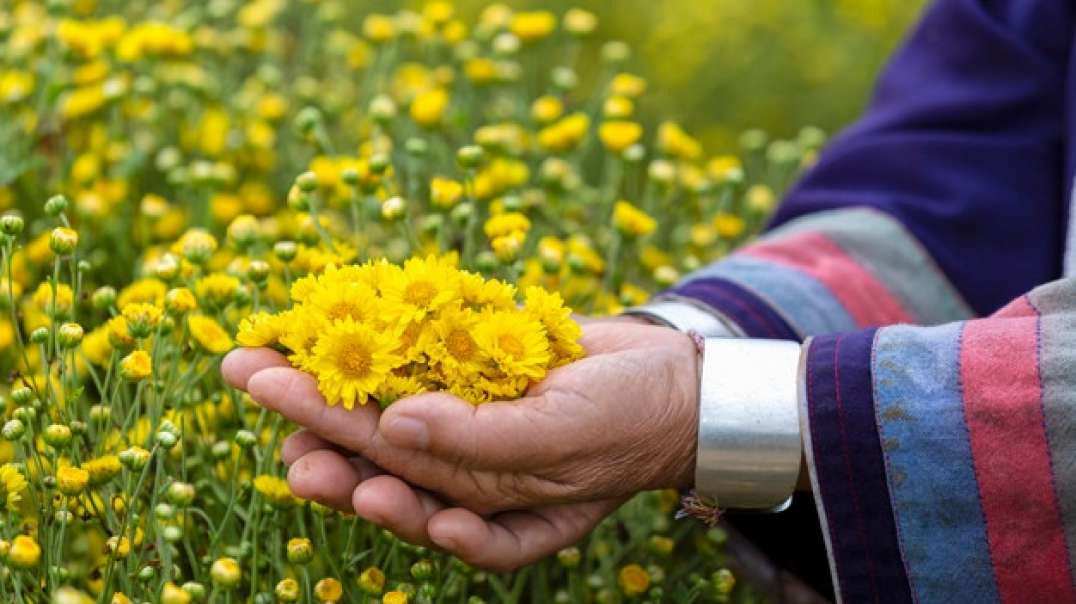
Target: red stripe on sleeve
<point>1002,395</point>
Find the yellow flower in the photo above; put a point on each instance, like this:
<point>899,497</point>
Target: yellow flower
<point>563,332</point>
<point>24,552</point>
<point>428,107</point>
<point>119,335</point>
<point>172,594</point>
<point>728,226</point>
<point>533,26</point>
<point>44,298</point>
<point>259,329</point>
<point>372,581</point>
<point>378,28</point>
<point>328,590</point>
<point>275,489</point>
<point>217,289</point>
<point>12,484</point>
<point>180,300</point>
<point>136,366</point>
<point>506,224</point>
<point>148,291</point>
<point>618,135</point>
<point>725,168</point>
<point>626,84</point>
<point>492,293</point>
<point>761,198</point>
<point>516,344</point>
<point>631,221</point>
<point>445,192</point>
<point>102,469</point>
<point>351,360</point>
<point>633,580</point>
<point>209,334</point>
<point>395,597</point>
<point>564,134</point>
<point>422,286</point>
<point>673,140</point>
<point>455,349</point>
<point>141,318</point>
<point>546,109</point>
<point>71,481</point>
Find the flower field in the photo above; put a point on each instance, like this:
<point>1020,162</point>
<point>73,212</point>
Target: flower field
<point>180,178</point>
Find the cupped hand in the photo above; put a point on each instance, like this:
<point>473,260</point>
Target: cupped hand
<point>500,484</point>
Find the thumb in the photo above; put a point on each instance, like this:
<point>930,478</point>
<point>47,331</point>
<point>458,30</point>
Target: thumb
<point>491,436</point>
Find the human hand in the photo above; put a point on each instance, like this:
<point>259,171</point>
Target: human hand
<point>526,477</point>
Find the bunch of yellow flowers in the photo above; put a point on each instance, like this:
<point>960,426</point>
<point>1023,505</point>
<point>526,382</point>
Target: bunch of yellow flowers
<point>382,331</point>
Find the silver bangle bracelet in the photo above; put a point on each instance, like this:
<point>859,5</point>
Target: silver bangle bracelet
<point>749,449</point>
<point>686,316</point>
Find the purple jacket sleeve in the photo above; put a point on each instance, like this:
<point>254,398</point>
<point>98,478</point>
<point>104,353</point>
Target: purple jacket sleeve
<point>943,202</point>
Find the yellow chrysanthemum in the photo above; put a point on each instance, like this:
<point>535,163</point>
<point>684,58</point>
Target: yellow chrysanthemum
<point>632,221</point>
<point>351,360</point>
<point>209,334</point>
<point>275,489</point>
<point>563,332</point>
<point>217,289</point>
<point>421,287</point>
<point>455,350</point>
<point>259,329</point>
<point>12,485</point>
<point>516,344</point>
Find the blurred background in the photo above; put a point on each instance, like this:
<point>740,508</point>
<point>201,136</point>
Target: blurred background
<point>722,66</point>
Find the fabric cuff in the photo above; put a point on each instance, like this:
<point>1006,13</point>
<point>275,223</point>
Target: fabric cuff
<point>847,468</point>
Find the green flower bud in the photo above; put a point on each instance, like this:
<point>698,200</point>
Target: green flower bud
<point>470,156</point>
<point>70,335</point>
<point>11,224</point>
<point>13,429</point>
<point>416,147</point>
<point>569,557</point>
<point>180,493</point>
<point>22,395</point>
<point>56,205</point>
<point>307,119</point>
<point>134,458</point>
<point>307,182</point>
<point>63,241</point>
<point>300,550</point>
<point>57,435</point>
<point>39,335</point>
<point>422,570</point>
<point>285,251</point>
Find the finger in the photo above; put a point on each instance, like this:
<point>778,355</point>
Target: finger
<point>303,441</point>
<point>392,504</point>
<point>513,539</point>
<point>490,436</point>
<point>365,468</point>
<point>240,364</point>
<point>326,477</point>
<point>295,395</point>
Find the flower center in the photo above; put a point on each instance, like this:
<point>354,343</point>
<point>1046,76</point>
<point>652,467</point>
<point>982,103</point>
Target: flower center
<point>460,345</point>
<point>344,309</point>
<point>353,359</point>
<point>420,293</point>
<point>511,345</point>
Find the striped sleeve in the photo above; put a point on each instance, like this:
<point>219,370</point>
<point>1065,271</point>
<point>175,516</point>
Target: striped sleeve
<point>943,459</point>
<point>827,272</point>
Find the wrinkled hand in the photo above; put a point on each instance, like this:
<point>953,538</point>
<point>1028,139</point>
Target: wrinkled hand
<point>498,485</point>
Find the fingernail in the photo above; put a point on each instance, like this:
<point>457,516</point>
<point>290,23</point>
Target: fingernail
<point>409,432</point>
